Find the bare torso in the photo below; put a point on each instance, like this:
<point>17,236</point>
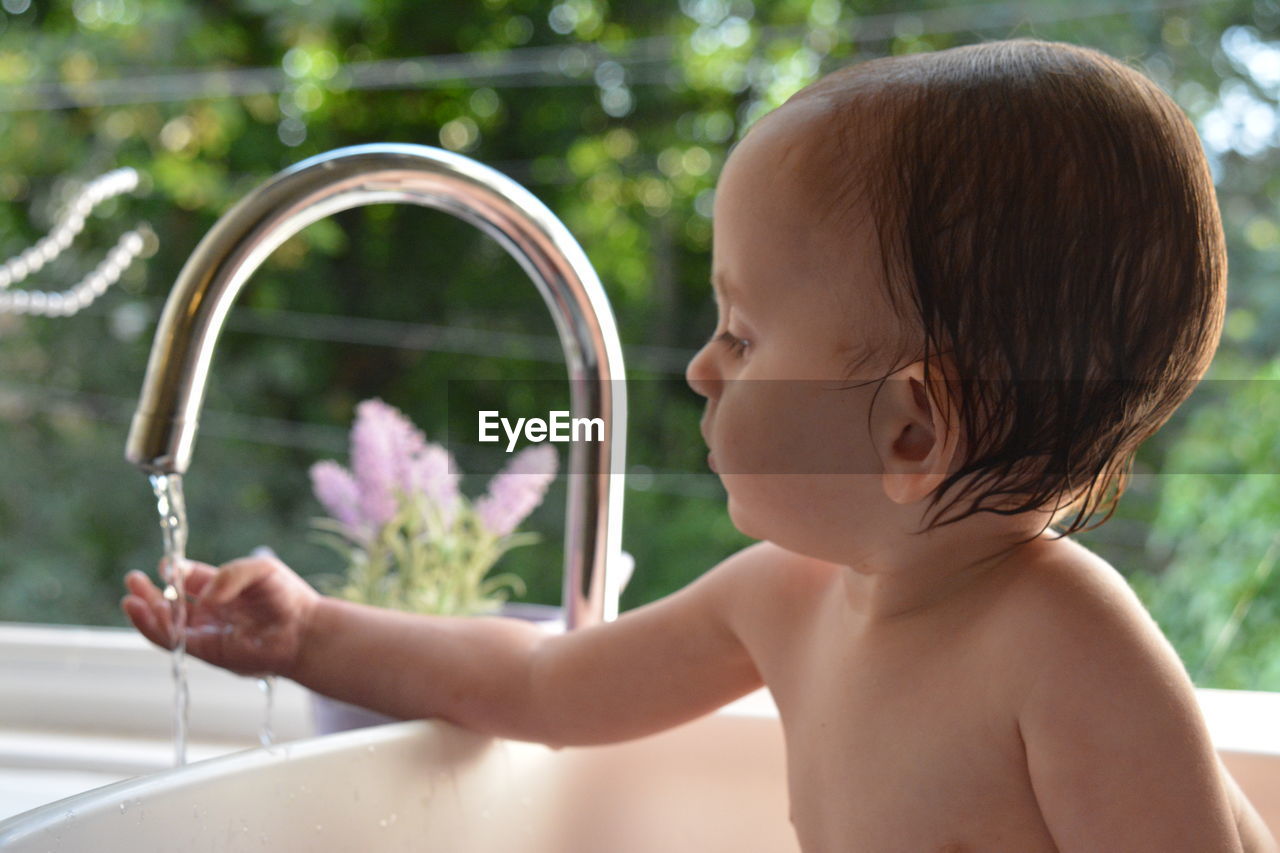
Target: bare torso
<point>904,736</point>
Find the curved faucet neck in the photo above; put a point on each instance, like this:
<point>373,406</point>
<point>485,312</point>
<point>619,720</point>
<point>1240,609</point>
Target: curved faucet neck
<point>162,435</point>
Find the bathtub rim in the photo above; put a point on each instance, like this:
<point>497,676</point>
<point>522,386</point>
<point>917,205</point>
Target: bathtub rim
<point>1240,722</point>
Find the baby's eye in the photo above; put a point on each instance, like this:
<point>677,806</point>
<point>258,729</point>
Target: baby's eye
<point>737,346</point>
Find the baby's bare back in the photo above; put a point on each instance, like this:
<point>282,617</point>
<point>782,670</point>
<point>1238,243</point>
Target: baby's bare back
<point>905,734</point>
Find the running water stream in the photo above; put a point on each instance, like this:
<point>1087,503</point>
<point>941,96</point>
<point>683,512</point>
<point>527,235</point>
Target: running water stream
<point>173,526</point>
<point>267,735</point>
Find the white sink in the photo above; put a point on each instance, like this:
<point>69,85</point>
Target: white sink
<point>717,784</point>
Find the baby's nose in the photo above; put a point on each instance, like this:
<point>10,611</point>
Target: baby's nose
<point>701,374</point>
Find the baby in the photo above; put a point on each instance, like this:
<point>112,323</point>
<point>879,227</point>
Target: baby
<point>956,291</point>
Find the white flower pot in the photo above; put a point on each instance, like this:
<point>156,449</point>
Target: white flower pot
<point>331,715</point>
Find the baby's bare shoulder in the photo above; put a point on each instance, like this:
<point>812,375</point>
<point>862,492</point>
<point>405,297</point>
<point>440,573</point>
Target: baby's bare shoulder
<point>765,565</point>
<point>1075,635</point>
<point>1117,749</point>
<point>1069,598</point>
<point>764,586</point>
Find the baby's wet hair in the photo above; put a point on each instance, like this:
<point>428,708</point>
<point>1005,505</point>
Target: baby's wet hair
<point>1049,231</point>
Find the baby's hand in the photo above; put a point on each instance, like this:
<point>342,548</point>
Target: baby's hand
<point>248,616</point>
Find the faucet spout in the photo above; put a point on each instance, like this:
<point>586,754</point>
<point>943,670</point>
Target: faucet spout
<point>163,431</point>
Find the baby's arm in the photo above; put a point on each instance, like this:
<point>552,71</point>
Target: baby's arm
<point>1117,749</point>
<point>654,667</point>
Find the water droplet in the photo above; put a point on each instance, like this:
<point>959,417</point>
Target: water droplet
<point>123,808</point>
<point>319,827</point>
<point>393,817</point>
<point>371,749</point>
<point>382,822</point>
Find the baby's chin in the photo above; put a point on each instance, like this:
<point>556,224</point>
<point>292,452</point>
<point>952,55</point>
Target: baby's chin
<point>765,523</point>
<point>742,517</point>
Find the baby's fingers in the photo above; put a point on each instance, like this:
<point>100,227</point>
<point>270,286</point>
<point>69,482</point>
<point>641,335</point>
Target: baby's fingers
<point>151,620</point>
<point>234,578</point>
<point>196,577</point>
<point>141,586</point>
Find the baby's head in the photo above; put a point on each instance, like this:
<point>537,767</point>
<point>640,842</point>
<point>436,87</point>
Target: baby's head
<point>1033,225</point>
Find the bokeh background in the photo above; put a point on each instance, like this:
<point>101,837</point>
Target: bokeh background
<point>618,115</point>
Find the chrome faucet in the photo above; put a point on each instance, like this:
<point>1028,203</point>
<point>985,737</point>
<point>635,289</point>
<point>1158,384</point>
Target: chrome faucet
<point>164,427</point>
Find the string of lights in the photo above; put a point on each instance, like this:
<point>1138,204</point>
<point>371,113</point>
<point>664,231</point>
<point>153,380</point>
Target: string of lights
<point>80,295</point>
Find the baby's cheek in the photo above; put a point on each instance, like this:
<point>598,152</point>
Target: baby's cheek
<point>783,427</point>
<point>814,439</point>
<point>770,446</point>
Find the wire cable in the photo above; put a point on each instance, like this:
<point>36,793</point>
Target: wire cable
<point>425,337</point>
<point>540,66</point>
<point>294,435</point>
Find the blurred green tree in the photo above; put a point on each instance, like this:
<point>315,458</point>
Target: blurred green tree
<point>619,117</point>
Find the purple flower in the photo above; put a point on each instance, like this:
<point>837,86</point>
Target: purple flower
<point>517,489</point>
<point>337,492</point>
<point>383,445</point>
<point>434,473</point>
<point>390,458</point>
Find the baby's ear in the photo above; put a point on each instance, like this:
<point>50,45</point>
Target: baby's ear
<point>915,439</point>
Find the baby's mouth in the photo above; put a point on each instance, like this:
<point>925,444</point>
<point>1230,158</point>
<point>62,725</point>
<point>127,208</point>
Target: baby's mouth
<point>703,429</point>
